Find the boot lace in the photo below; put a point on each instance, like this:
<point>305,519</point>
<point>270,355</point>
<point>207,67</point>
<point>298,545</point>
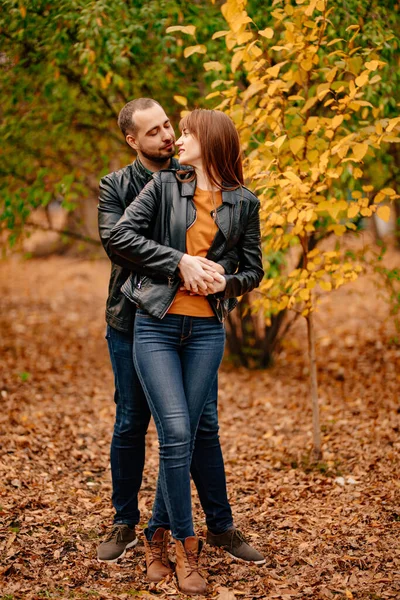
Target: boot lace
<point>238,537</point>
<point>192,560</point>
<point>156,551</point>
<point>115,533</point>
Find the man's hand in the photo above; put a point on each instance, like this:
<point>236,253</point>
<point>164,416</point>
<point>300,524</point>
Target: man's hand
<point>218,285</point>
<point>211,265</point>
<point>196,274</point>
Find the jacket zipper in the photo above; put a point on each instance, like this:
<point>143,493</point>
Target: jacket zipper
<point>169,305</point>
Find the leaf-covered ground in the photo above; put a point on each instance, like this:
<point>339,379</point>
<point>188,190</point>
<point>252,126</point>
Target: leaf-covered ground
<point>329,531</point>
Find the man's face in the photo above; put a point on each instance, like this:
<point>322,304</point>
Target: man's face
<point>154,137</point>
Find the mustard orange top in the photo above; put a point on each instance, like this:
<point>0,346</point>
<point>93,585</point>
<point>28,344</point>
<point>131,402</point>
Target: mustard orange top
<point>199,238</point>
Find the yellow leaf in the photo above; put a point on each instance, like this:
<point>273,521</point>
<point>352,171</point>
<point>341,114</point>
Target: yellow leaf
<point>309,104</point>
<point>189,29</point>
<point>219,34</point>
<point>366,212</point>
<point>199,48</point>
<point>392,124</point>
<point>306,64</point>
<point>292,214</point>
<point>274,71</point>
<point>22,10</point>
<point>213,65</point>
<point>241,18</point>
<point>353,211</point>
<point>388,192</point>
<point>278,142</point>
<point>383,213</point>
<point>335,41</point>
<point>312,123</point>
<point>296,144</point>
<point>321,5</point>
<point>375,79</point>
<point>357,173</point>
<point>336,121</point>
<point>181,100</point>
<point>313,253</point>
<point>330,76</point>
<point>236,60</point>
<point>244,37</point>
<point>337,229</point>
<point>373,65</point>
<point>304,294</point>
<point>360,150</point>
<point>325,285</point>
<point>212,95</point>
<point>362,79</point>
<point>267,33</point>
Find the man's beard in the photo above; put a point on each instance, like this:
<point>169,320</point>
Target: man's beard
<point>157,158</point>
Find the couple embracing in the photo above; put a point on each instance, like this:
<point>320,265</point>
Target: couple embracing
<point>184,241</point>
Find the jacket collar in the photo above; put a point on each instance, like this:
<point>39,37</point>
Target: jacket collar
<point>228,196</point>
<point>146,174</point>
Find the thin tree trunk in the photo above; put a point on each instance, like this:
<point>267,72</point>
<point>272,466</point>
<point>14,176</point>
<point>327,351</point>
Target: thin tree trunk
<point>317,451</point>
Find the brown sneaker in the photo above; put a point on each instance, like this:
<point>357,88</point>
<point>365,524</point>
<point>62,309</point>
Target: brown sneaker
<point>157,562</point>
<point>187,566</point>
<point>118,540</point>
<point>235,544</point>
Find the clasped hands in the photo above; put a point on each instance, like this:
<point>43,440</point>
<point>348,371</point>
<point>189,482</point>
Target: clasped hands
<point>201,276</point>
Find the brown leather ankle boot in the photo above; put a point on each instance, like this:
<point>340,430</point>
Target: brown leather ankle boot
<point>157,562</point>
<point>187,566</point>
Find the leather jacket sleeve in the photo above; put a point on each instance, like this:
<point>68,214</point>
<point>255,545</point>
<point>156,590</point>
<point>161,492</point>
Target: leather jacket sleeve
<point>110,210</point>
<point>128,237</point>
<point>230,261</point>
<point>250,271</point>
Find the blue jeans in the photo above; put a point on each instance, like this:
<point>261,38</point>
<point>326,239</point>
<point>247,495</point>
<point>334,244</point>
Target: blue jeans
<point>177,360</point>
<point>128,444</point>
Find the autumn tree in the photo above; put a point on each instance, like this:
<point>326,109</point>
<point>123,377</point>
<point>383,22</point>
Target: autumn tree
<point>66,69</point>
<point>307,129</point>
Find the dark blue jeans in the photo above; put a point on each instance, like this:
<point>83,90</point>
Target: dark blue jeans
<point>128,444</point>
<point>177,360</point>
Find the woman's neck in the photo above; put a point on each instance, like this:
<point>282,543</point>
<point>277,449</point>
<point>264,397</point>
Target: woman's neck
<point>203,182</point>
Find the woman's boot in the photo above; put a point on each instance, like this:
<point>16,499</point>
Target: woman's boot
<point>157,562</point>
<point>187,566</point>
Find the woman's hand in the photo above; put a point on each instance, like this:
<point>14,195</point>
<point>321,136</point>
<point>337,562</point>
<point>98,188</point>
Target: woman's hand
<point>213,287</point>
<point>218,285</point>
<point>196,274</point>
<point>211,265</point>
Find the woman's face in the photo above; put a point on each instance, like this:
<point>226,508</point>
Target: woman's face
<point>189,149</point>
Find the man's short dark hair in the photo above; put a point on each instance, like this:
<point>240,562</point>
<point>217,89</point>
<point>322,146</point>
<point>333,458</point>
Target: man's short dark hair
<point>125,117</point>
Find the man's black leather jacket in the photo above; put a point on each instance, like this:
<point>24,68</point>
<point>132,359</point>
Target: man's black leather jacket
<point>152,233</point>
<point>117,190</point>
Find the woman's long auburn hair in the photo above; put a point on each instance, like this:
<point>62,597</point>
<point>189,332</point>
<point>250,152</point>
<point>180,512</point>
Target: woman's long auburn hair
<point>219,145</point>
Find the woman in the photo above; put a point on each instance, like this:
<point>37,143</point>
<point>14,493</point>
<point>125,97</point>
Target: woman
<point>177,230</point>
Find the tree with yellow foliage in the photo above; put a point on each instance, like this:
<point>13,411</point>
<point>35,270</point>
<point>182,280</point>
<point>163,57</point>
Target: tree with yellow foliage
<point>306,128</point>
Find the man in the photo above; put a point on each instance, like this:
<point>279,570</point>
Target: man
<point>148,131</point>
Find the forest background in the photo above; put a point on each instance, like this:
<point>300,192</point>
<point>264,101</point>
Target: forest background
<point>313,88</point>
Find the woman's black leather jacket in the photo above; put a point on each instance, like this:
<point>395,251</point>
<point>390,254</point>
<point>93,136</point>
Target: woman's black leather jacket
<point>152,234</point>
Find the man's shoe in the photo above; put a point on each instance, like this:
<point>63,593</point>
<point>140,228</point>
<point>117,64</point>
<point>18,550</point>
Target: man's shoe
<point>118,540</point>
<point>234,542</point>
<point>187,566</point>
<point>157,562</point>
